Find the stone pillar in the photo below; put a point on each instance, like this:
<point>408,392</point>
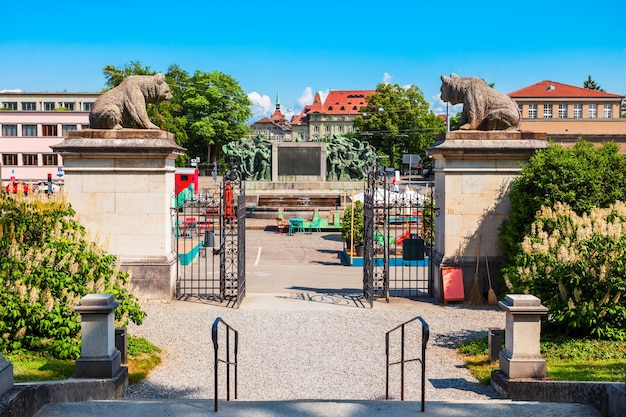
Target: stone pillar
<point>121,184</point>
<point>99,357</point>
<point>473,170</point>
<point>521,357</point>
<point>6,376</point>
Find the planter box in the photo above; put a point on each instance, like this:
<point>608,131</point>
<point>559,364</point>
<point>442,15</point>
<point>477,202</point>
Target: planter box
<point>353,260</point>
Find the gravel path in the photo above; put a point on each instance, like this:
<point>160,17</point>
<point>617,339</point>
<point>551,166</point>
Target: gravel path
<point>291,349</point>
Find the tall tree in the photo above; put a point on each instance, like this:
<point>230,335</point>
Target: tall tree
<point>398,120</point>
<point>207,110</point>
<point>591,84</point>
<point>217,109</point>
<point>114,76</point>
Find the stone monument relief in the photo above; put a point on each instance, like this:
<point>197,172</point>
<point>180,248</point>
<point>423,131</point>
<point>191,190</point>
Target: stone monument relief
<point>124,106</point>
<point>346,159</point>
<point>483,107</point>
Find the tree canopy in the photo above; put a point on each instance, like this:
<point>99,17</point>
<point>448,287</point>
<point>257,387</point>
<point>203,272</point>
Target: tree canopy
<point>398,120</point>
<point>591,84</point>
<point>207,110</point>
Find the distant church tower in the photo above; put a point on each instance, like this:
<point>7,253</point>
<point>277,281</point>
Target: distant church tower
<point>276,127</point>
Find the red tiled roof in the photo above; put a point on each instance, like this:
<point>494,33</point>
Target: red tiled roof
<point>303,117</point>
<point>346,101</point>
<point>546,89</point>
<point>317,107</point>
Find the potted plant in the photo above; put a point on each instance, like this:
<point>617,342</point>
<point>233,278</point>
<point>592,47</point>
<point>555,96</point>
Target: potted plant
<point>353,226</point>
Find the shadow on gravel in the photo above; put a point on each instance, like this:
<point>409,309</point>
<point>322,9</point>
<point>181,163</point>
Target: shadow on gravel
<point>334,237</point>
<point>463,384</point>
<point>146,390</point>
<point>348,297</point>
<point>453,340</point>
<point>338,262</point>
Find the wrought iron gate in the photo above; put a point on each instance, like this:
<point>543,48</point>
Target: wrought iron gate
<point>399,232</point>
<point>209,238</point>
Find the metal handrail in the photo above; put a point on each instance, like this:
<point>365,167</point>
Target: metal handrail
<point>402,361</point>
<point>227,361</point>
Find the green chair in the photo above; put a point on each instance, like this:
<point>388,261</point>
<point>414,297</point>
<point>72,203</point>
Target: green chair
<point>315,224</point>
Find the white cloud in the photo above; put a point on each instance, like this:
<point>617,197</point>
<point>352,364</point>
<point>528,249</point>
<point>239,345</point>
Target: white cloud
<point>386,78</point>
<point>261,105</point>
<point>438,106</point>
<point>15,90</point>
<point>306,97</point>
<point>323,95</point>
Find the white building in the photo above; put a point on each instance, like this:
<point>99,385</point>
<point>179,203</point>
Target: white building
<point>30,123</point>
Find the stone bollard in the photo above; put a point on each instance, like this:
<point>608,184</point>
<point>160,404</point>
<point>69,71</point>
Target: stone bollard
<point>521,357</point>
<point>495,343</point>
<point>98,358</point>
<point>6,376</point>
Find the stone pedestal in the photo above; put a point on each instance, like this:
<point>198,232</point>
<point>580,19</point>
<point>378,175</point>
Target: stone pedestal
<point>473,171</point>
<point>6,376</point>
<point>521,357</point>
<point>121,184</point>
<point>99,358</point>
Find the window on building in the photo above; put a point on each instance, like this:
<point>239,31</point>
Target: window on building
<point>9,105</point>
<point>50,159</point>
<point>521,109</point>
<point>593,111</point>
<point>562,111</point>
<point>9,130</point>
<point>69,105</point>
<point>578,111</point>
<point>341,128</point>
<point>65,128</point>
<point>48,105</point>
<point>87,106</point>
<point>49,130</point>
<point>29,159</point>
<point>547,111</point>
<point>532,111</point>
<point>29,106</point>
<point>29,130</point>
<point>316,129</point>
<point>9,159</point>
<point>327,129</point>
<point>608,111</point>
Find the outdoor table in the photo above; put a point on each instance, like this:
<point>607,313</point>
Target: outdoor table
<point>296,224</point>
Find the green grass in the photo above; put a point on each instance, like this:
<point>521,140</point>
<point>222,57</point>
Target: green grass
<point>566,359</point>
<point>143,356</point>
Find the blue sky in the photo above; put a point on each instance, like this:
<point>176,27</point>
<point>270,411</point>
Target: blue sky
<point>297,48</point>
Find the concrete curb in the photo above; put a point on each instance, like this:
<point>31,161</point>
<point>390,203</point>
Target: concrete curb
<point>26,399</point>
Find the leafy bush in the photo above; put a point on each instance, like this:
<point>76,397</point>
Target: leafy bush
<point>47,264</point>
<point>356,230</point>
<point>575,265</point>
<point>584,176</point>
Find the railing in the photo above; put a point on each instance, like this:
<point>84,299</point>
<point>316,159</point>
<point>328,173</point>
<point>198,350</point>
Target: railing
<point>402,361</point>
<point>227,361</point>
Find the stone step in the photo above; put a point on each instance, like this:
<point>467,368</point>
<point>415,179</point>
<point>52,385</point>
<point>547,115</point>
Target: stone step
<point>313,408</point>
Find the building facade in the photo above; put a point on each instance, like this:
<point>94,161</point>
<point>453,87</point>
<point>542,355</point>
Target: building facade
<point>567,112</point>
<point>276,127</point>
<point>334,116</point>
<point>30,123</point>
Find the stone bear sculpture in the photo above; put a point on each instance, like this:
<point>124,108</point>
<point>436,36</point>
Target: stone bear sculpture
<point>483,107</point>
<point>125,105</point>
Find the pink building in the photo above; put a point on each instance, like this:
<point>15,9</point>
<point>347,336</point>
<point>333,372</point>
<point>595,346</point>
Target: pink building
<point>30,123</point>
